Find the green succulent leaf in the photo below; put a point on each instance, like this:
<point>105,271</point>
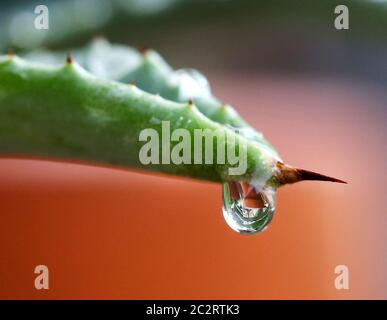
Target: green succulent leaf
<point>85,110</point>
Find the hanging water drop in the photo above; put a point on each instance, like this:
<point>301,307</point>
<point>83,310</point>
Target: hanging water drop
<point>247,209</point>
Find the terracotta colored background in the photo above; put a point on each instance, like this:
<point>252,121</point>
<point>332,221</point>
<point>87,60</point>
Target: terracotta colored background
<point>108,233</point>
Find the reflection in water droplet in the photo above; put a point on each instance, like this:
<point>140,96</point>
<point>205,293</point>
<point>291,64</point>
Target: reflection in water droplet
<point>245,214</point>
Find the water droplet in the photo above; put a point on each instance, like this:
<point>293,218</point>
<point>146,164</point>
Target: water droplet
<point>247,209</point>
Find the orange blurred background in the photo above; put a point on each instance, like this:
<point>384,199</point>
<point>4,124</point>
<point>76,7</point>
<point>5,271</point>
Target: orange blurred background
<point>107,233</point>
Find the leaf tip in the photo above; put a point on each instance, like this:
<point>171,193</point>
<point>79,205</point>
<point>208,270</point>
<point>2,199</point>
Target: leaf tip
<point>10,53</point>
<point>143,49</point>
<point>99,37</point>
<point>69,58</point>
<point>222,108</point>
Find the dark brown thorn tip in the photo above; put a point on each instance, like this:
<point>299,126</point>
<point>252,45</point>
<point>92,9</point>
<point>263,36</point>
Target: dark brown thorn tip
<point>99,36</point>
<point>132,82</point>
<point>11,53</point>
<point>69,58</point>
<point>310,175</point>
<point>190,103</point>
<point>287,174</point>
<point>143,49</point>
